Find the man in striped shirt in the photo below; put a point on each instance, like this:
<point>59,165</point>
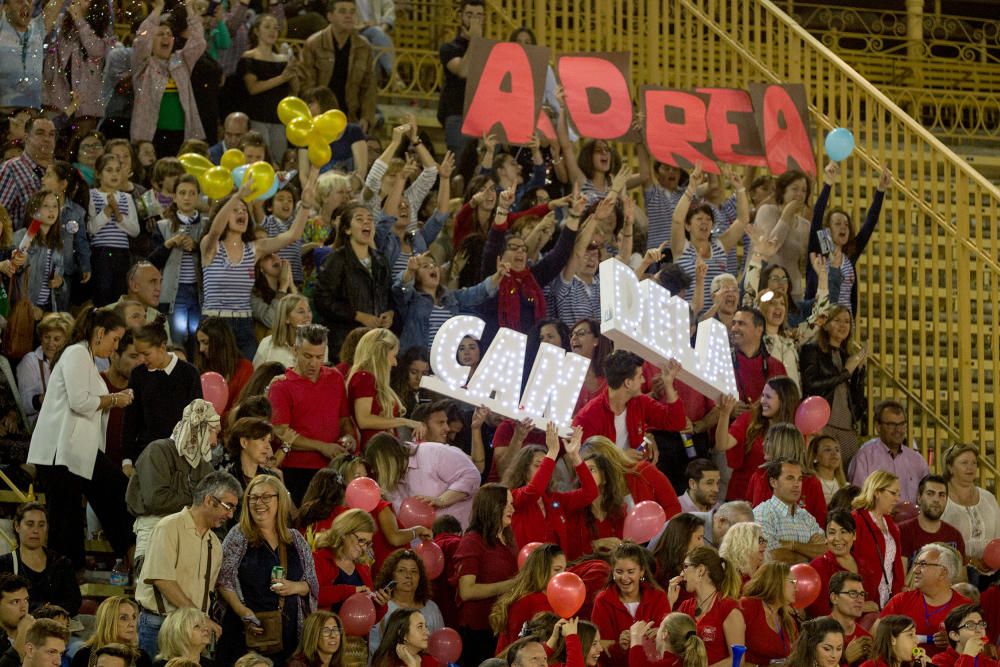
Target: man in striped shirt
<point>576,293</point>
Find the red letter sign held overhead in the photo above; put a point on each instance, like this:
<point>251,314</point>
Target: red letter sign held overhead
<point>734,133</point>
<point>601,81</point>
<point>505,100</point>
<point>782,117</point>
<point>676,131</point>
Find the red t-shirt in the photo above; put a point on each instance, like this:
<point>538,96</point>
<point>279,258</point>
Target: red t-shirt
<point>582,529</point>
<point>311,409</point>
<point>380,545</point>
<point>362,385</point>
<point>710,626</point>
<point>489,565</point>
<point>750,375</point>
<point>848,638</point>
<point>743,463</point>
<point>501,439</point>
<point>241,375</point>
<point>826,566</point>
<point>520,612</point>
<point>928,620</point>
<point>763,643</point>
<point>913,537</point>
<point>444,592</point>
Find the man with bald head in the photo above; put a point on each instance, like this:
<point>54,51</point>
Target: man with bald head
<point>236,125</point>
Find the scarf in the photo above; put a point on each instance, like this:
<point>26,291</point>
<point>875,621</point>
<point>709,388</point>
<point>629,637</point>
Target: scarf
<point>191,435</point>
<point>513,287</point>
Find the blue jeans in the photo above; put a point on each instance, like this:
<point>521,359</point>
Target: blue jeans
<point>383,47</point>
<point>149,628</point>
<point>187,313</point>
<point>246,339</point>
<point>453,136</point>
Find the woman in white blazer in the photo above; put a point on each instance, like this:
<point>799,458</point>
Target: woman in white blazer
<point>68,440</point>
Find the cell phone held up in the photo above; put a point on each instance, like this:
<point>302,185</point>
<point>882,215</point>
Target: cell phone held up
<point>826,246</point>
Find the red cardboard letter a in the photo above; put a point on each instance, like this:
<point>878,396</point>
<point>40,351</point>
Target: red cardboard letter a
<point>503,98</point>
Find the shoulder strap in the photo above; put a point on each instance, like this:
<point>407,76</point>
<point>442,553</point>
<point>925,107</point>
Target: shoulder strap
<point>878,550</point>
<point>283,560</point>
<point>208,576</point>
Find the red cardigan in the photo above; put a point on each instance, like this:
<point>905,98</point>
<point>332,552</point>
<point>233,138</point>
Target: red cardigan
<point>869,552</point>
<point>530,523</point>
<point>520,612</point>
<point>812,500</point>
<point>646,482</point>
<point>327,571</point>
<point>642,414</point>
<point>612,617</point>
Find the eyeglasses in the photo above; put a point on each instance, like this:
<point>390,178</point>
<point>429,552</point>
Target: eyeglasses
<point>854,595</point>
<point>972,625</point>
<point>517,247</point>
<point>762,541</point>
<point>330,632</point>
<point>901,424</point>
<point>687,565</point>
<point>580,333</point>
<point>262,499</point>
<point>362,542</point>
<point>229,507</point>
<point>923,564</point>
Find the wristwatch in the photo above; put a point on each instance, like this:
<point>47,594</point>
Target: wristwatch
<point>285,447</point>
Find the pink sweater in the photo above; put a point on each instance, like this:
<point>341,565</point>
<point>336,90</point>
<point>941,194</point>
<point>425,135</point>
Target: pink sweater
<point>83,56</point>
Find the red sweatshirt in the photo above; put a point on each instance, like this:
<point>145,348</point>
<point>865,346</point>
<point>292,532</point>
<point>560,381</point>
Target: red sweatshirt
<point>646,482</point>
<point>530,523</point>
<point>642,414</point>
<point>612,617</point>
<point>520,612</point>
<point>326,572</point>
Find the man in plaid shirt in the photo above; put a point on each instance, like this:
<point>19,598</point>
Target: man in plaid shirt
<point>21,177</point>
<point>793,536</point>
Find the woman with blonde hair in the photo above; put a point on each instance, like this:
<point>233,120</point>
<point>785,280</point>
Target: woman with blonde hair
<point>262,540</point>
<point>322,642</point>
<point>971,509</point>
<point>827,463</point>
<point>291,312</point>
<point>744,546</point>
<point>767,608</point>
<point>526,596</point>
<point>783,440</point>
<point>877,547</point>
<point>374,404</point>
<point>254,660</point>
<point>677,636</point>
<point>184,634</point>
<point>34,369</point>
<point>341,558</point>
<point>441,475</point>
<point>714,585</point>
<point>116,622</point>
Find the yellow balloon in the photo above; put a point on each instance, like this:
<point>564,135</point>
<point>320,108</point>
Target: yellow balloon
<point>217,182</point>
<point>233,158</point>
<point>330,125</point>
<point>292,107</point>
<point>298,131</point>
<point>195,164</point>
<point>319,151</point>
<point>263,178</point>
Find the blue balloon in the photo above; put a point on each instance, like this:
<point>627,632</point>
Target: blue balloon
<point>270,192</point>
<point>239,174</point>
<point>839,144</point>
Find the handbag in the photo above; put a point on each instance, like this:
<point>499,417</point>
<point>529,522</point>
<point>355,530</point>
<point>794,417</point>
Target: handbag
<point>270,640</point>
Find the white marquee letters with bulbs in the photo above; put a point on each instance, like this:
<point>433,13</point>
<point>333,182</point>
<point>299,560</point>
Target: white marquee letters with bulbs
<point>646,319</point>
<point>638,316</point>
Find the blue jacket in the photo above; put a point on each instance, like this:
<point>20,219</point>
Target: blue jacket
<point>388,243</point>
<point>36,273</point>
<point>415,307</point>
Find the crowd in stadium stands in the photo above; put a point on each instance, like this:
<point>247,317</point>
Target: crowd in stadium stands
<point>123,284</point>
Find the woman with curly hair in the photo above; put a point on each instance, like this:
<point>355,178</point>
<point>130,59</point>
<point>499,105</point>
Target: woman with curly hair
<point>744,545</point>
<point>412,590</point>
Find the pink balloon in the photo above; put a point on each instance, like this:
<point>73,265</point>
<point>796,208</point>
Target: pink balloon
<point>215,390</point>
<point>358,615</point>
<point>812,415</point>
<point>414,512</point>
<point>991,554</point>
<point>644,521</point>
<point>432,556</point>
<point>445,645</point>
<point>363,493</point>
<point>566,593</point>
<point>525,551</point>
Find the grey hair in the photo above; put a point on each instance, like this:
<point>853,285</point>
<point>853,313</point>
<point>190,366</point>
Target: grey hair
<point>313,334</point>
<point>215,484</point>
<point>735,511</point>
<point>946,558</point>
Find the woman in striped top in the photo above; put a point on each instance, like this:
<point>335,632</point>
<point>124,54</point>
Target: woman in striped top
<point>177,236</point>
<point>43,270</point>
<point>228,253</point>
<point>691,235</point>
<point>111,220</point>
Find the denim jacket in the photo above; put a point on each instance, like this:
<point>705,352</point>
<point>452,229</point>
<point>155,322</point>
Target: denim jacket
<point>36,263</point>
<point>415,307</point>
<point>389,246</point>
<point>76,244</point>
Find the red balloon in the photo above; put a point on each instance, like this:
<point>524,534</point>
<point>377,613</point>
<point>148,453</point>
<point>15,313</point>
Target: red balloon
<point>525,551</point>
<point>904,511</point>
<point>445,646</point>
<point>358,615</point>
<point>363,493</point>
<point>414,512</point>
<point>433,558</point>
<point>644,522</point>
<point>991,554</point>
<point>812,415</point>
<point>807,585</point>
<point>215,390</point>
<point>566,593</point>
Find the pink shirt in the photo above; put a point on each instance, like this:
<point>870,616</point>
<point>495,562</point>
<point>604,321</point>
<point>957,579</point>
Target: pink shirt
<point>435,468</point>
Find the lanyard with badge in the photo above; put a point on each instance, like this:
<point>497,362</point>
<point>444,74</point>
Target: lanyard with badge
<point>24,82</point>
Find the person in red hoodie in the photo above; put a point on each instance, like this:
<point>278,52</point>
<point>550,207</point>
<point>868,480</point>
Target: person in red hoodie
<point>644,480</point>
<point>538,510</point>
<point>877,545</point>
<point>966,638</point>
<point>784,441</point>
<point>632,595</point>
<point>526,596</point>
<point>340,556</point>
<point>623,413</point>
